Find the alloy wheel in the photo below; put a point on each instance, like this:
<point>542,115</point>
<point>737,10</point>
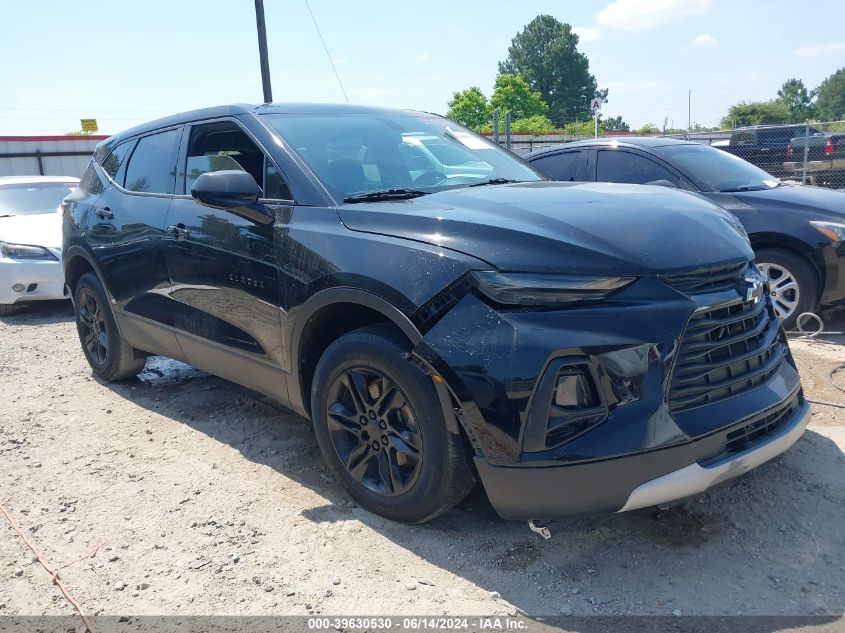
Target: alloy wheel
<point>783,288</point>
<point>374,430</point>
<point>93,324</point>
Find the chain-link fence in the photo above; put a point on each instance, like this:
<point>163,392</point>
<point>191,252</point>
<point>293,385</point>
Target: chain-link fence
<point>812,153</point>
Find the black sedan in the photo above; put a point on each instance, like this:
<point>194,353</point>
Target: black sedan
<point>797,232</point>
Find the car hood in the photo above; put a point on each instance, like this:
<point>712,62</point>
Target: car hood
<point>823,204</point>
<point>578,228</point>
<point>42,229</point>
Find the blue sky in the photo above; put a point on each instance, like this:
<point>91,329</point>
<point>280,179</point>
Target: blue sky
<point>126,62</point>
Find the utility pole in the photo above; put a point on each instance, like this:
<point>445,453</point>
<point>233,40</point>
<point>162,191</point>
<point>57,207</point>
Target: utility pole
<point>689,113</point>
<point>262,51</point>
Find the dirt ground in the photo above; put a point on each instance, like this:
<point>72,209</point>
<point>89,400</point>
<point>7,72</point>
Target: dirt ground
<point>181,493</point>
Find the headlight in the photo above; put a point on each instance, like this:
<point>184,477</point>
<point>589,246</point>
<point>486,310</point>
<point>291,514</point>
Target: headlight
<point>836,232</point>
<point>23,251</point>
<point>536,289</point>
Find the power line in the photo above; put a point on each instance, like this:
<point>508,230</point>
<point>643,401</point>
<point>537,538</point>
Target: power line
<point>326,48</point>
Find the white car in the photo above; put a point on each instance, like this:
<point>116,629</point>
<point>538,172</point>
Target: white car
<point>31,238</point>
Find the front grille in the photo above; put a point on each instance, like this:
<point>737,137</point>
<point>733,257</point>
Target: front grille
<point>757,430</point>
<point>726,351</point>
<point>709,279</point>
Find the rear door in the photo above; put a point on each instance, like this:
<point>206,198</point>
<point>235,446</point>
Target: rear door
<point>223,267</point>
<point>130,220</point>
<point>566,165</point>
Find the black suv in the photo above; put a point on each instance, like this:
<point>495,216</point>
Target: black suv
<point>438,309</point>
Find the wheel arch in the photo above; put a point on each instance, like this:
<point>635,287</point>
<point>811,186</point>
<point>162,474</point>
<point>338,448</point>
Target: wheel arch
<point>76,263</point>
<point>327,316</point>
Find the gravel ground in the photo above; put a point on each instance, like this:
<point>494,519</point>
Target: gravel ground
<point>182,493</point>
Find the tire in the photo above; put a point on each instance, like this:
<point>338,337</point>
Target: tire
<point>778,266</point>
<point>387,425</point>
<point>111,358</point>
<point>8,309</point>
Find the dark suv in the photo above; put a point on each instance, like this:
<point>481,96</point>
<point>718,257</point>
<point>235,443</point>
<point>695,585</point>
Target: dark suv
<point>438,309</point>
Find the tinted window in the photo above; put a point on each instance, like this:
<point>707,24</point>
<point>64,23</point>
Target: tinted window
<point>114,160</point>
<point>224,146</point>
<point>152,165</point>
<point>627,167</point>
<point>563,166</point>
<point>33,198</point>
<point>90,181</point>
<point>275,186</point>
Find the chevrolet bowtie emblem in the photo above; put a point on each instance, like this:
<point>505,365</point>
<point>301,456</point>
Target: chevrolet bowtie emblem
<point>754,290</point>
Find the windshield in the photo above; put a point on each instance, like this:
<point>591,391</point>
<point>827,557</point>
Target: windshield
<point>356,154</point>
<point>32,198</point>
<point>715,170</point>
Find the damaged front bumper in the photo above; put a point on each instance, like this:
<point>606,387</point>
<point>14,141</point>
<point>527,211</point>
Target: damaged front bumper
<point>629,444</point>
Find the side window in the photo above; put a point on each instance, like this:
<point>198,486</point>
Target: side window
<point>627,167</point>
<point>563,166</point>
<point>152,165</point>
<point>90,181</point>
<point>222,146</point>
<point>115,159</point>
<point>275,186</point>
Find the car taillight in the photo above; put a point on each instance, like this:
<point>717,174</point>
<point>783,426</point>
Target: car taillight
<point>828,147</point>
<point>789,152</point>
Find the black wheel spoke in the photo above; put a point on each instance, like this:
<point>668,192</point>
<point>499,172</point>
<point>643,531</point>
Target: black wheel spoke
<point>354,384</point>
<point>358,461</point>
<point>339,419</point>
<point>402,445</point>
<point>390,399</point>
<point>390,477</point>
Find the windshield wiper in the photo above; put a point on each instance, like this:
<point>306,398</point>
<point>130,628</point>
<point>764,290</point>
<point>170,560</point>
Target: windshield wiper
<point>744,188</point>
<point>495,181</point>
<point>387,194</point>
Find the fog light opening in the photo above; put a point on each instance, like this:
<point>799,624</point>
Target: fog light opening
<point>31,287</point>
<point>575,389</point>
<point>19,288</point>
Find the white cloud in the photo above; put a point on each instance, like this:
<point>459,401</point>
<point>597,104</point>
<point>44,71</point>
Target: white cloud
<point>422,57</point>
<point>705,40</point>
<point>372,93</point>
<point>630,15</point>
<point>820,49</point>
<point>587,33</point>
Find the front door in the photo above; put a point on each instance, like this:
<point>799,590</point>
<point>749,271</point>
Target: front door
<point>224,268</point>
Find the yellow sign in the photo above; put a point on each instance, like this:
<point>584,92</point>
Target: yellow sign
<point>88,125</point>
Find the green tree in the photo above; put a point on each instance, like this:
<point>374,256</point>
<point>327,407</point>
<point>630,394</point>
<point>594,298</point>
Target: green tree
<point>830,97</point>
<point>797,99</point>
<point>585,129</point>
<point>755,113</point>
<point>545,54</point>
<point>512,94</point>
<point>470,108</point>
<point>648,128</point>
<point>614,124</point>
<point>536,124</point>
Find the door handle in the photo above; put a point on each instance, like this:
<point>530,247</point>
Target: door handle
<point>104,213</point>
<point>179,231</point>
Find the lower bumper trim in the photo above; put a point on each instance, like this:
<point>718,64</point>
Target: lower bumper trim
<point>695,479</point>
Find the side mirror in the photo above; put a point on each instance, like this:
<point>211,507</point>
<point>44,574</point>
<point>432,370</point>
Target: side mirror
<point>663,183</point>
<point>232,190</point>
